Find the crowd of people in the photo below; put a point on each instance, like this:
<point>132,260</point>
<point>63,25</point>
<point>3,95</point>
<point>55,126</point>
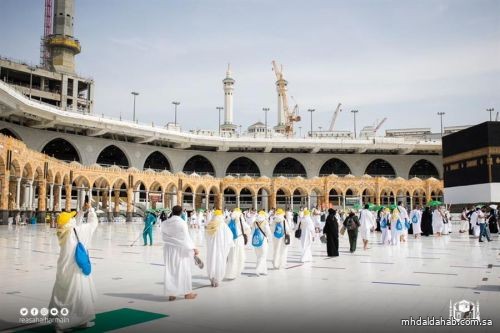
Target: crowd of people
<point>229,234</point>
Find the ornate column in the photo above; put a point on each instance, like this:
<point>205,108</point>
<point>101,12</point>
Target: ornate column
<point>18,193</point>
<point>4,205</point>
<point>51,197</point>
<point>147,199</point>
<point>254,201</point>
<point>237,200</point>
<point>30,195</point>
<point>130,207</point>
<point>207,200</point>
<point>116,208</point>
<point>179,198</point>
<point>42,200</point>
<point>67,189</point>
<point>194,201</point>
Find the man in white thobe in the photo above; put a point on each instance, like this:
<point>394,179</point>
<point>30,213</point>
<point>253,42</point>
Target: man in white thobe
<point>416,220</point>
<point>280,227</point>
<point>403,213</point>
<point>219,242</point>
<point>179,251</point>
<point>437,221</point>
<point>261,223</point>
<point>74,290</point>
<point>306,236</point>
<point>367,224</point>
<point>236,258</point>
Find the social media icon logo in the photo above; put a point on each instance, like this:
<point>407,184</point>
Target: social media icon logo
<point>64,312</point>
<point>34,312</point>
<point>54,311</point>
<point>44,311</point>
<point>23,312</point>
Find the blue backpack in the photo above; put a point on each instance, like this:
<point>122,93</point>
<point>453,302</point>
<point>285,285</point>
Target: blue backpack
<point>232,226</point>
<point>278,231</point>
<point>383,223</point>
<point>82,256</point>
<point>407,224</point>
<point>414,219</point>
<point>257,238</point>
<point>399,225</point>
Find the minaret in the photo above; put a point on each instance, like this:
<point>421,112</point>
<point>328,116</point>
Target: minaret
<point>281,88</point>
<point>62,44</point>
<point>228,84</point>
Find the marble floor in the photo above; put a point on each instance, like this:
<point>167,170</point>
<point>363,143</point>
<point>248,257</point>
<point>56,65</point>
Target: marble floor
<point>368,290</point>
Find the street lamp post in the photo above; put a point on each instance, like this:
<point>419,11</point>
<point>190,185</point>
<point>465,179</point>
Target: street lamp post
<point>176,104</point>
<point>300,131</point>
<point>219,108</point>
<point>311,111</point>
<point>354,113</point>
<point>441,114</point>
<point>265,112</point>
<point>135,95</point>
<point>490,110</point>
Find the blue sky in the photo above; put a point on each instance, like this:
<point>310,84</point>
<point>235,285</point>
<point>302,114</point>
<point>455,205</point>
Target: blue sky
<point>405,60</point>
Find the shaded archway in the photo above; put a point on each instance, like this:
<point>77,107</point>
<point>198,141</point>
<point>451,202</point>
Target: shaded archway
<point>335,198</point>
<point>243,166</point>
<point>157,161</point>
<point>423,169</point>
<point>263,196</point>
<point>200,165</point>
<point>283,199</point>
<point>334,166</point>
<point>11,133</point>
<point>62,150</point>
<point>289,167</point>
<point>229,198</point>
<point>380,168</point>
<point>112,155</point>
<point>246,198</point>
<point>299,198</point>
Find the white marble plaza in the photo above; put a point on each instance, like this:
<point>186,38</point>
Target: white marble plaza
<point>370,289</point>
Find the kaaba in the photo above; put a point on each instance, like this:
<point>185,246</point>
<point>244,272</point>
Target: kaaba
<point>471,163</point>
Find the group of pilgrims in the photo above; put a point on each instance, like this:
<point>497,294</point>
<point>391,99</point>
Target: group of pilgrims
<point>229,233</point>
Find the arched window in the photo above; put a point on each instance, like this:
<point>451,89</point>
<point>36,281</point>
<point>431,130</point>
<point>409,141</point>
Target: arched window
<point>289,167</point>
<point>8,132</point>
<point>243,166</point>
<point>200,165</point>
<point>423,169</point>
<point>157,161</point>
<point>112,155</point>
<point>380,168</point>
<point>334,166</point>
<point>62,150</point>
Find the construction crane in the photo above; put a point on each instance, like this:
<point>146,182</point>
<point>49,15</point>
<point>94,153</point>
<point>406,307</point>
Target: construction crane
<point>379,125</point>
<point>290,116</point>
<point>335,114</point>
<point>47,31</point>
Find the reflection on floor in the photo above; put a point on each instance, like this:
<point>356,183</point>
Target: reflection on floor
<point>365,290</point>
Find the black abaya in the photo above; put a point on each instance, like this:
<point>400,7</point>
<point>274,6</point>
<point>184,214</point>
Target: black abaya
<point>331,230</point>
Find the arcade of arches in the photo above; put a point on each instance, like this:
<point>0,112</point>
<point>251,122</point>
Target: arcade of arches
<point>32,182</point>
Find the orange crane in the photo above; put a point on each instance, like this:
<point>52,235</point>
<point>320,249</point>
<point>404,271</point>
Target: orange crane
<point>291,116</point>
<point>335,115</point>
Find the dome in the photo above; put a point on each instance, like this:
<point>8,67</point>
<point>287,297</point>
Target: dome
<point>166,172</point>
<point>132,169</point>
<point>349,176</point>
<point>366,176</point>
<point>149,171</point>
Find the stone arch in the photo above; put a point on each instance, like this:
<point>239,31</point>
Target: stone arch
<point>113,155</point>
<point>289,167</point>
<point>423,169</point>
<point>11,133</point>
<point>230,193</point>
<point>387,197</point>
<point>58,178</point>
<point>334,166</point>
<point>380,168</point>
<point>419,197</point>
<point>15,168</point>
<point>199,164</point>
<point>243,166</point>
<point>246,197</point>
<point>157,161</point>
<point>299,197</point>
<point>264,195</point>
<point>62,149</point>
<point>367,195</point>
<point>283,198</point>
<point>81,181</point>
<point>27,171</point>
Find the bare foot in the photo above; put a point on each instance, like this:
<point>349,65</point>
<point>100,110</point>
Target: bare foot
<point>171,298</point>
<point>191,296</point>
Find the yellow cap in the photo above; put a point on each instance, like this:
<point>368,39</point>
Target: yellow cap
<point>237,209</point>
<point>262,213</point>
<point>218,212</point>
<point>280,211</point>
<point>307,212</point>
<point>64,218</point>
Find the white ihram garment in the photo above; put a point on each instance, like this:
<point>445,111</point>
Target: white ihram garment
<point>236,258</point>
<point>178,256</point>
<point>72,289</point>
<point>261,252</point>
<point>218,246</point>
<point>280,249</point>
<point>416,226</point>
<point>367,222</point>
<point>306,238</point>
